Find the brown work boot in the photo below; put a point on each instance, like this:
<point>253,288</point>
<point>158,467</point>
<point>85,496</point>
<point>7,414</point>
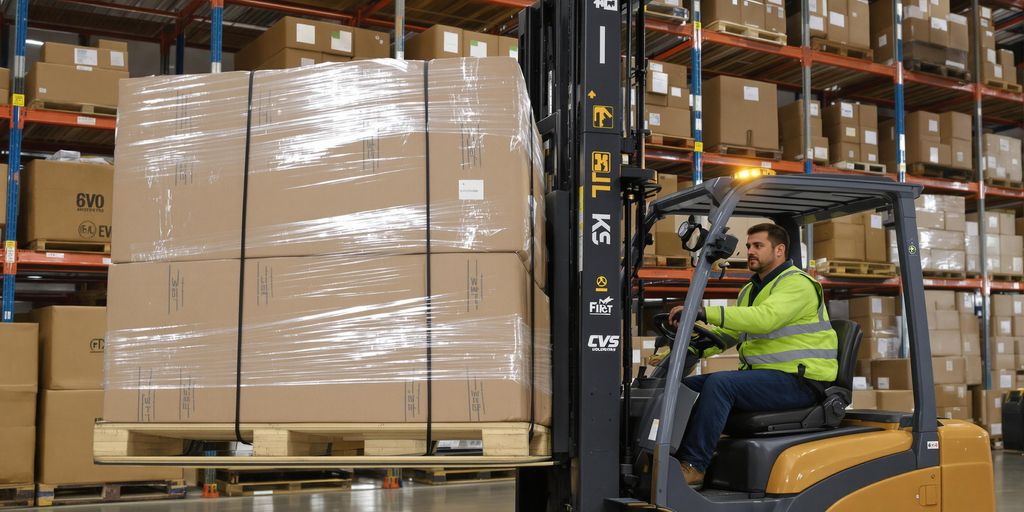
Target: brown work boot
<point>693,477</point>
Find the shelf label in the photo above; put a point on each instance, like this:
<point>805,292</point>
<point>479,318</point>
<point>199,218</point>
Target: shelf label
<point>88,121</point>
<point>10,252</point>
<point>55,255</point>
<point>18,100</point>
<point>106,261</point>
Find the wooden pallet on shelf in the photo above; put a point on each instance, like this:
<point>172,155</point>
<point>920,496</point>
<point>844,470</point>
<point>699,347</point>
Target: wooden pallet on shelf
<point>930,170</point>
<point>77,494</point>
<point>1007,277</point>
<point>1002,182</point>
<point>864,167</point>
<point>75,108</point>
<point>670,142</point>
<point>944,274</point>
<point>747,151</point>
<point>667,261</point>
<point>854,269</point>
<point>846,50</point>
<point>737,29</point>
<point>440,476</point>
<point>1006,86</point>
<point>667,13</point>
<point>270,482</point>
<point>69,246</point>
<point>17,495</point>
<point>279,445</point>
<point>934,68</point>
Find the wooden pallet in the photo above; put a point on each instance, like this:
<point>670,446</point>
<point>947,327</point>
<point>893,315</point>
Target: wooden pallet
<point>1002,182</point>
<point>75,108</point>
<point>440,476</point>
<point>737,29</point>
<point>747,151</point>
<point>934,68</point>
<point>264,483</point>
<point>321,444</point>
<point>998,276</point>
<point>17,495</point>
<point>59,246</point>
<point>944,274</point>
<point>939,171</point>
<point>1006,86</point>
<point>669,142</point>
<point>864,167</point>
<point>854,269</point>
<point>667,261</point>
<point>77,494</point>
<point>846,50</point>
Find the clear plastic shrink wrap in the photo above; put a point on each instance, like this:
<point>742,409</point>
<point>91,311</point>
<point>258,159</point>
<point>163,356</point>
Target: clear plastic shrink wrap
<point>393,232</point>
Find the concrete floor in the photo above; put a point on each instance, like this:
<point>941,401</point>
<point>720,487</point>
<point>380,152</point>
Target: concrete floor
<point>492,497</point>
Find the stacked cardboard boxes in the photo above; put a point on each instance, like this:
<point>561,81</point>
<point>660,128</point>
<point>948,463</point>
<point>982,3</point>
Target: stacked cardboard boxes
<point>858,237</point>
<point>335,278</point>
<point>988,408</point>
<point>78,75</point>
<point>791,132</point>
<point>666,238</point>
<point>931,34</point>
<point>996,65</point>
<point>442,41</point>
<point>1003,158</point>
<point>19,383</point>
<point>1004,250</point>
<point>942,234</point>
<point>878,320</point>
<point>768,15</point>
<point>840,22</point>
<point>925,141</point>
<point>67,201</point>
<point>643,349</point>
<point>955,132</point>
<point>740,113</point>
<point>852,131</point>
<point>667,100</point>
<point>72,342</point>
<point>294,42</point>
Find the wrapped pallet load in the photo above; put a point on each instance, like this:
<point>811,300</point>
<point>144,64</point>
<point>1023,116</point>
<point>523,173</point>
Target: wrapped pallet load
<point>345,242</point>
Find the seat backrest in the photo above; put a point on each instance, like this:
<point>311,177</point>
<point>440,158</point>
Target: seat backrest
<point>849,334</point>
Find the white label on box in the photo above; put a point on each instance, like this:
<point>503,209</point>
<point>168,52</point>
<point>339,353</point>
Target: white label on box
<point>933,155</point>
<point>939,24</point>
<point>814,110</point>
<point>1004,144</point>
<point>1018,307</point>
<point>477,49</point>
<point>87,57</point>
<point>851,131</point>
<point>42,90</point>
<point>676,91</point>
<point>1005,381</point>
<point>471,190</point>
<point>341,41</point>
<point>883,347</point>
<point>117,59</point>
<point>846,110</point>
<point>872,157</point>
<point>751,93</point>
<point>657,67</point>
<point>870,137</point>
<point>1005,327</point>
<point>986,12</point>
<point>306,61</point>
<point>933,125</point>
<point>999,71</point>
<point>305,34</point>
<point>954,64</point>
<point>876,221</point>
<point>655,118</point>
<point>659,82</point>
<point>1000,348</point>
<point>674,3</point>
<point>876,305</point>
<point>860,383</point>
<point>961,391</point>
<point>649,344</point>
<point>949,366</point>
<point>959,156</point>
<point>998,402</point>
<point>816,23</point>
<point>1018,264</point>
<point>821,153</point>
<point>990,162</point>
<point>837,19</point>
<point>86,120</point>
<point>513,52</point>
<point>990,54</point>
<point>83,68</point>
<point>883,383</point>
<point>996,428</point>
<point>451,42</point>
<point>636,356</point>
<point>735,2</point>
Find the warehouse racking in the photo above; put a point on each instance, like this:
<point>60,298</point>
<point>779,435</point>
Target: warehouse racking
<point>226,25</point>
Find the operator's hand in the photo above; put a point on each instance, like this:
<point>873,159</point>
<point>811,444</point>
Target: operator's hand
<point>677,313</point>
<point>659,356</point>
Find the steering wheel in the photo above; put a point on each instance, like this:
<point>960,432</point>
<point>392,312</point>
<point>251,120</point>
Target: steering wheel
<point>700,338</point>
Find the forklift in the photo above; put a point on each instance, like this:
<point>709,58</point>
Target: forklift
<point>614,440</point>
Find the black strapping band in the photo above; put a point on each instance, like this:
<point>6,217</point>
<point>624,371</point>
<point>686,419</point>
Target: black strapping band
<point>533,289</point>
<point>429,304</point>
<point>241,267</point>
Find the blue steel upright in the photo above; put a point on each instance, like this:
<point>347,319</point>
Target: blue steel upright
<point>695,86</point>
<point>14,161</point>
<point>216,38</point>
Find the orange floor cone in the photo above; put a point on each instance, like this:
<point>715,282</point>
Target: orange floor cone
<point>393,479</point>
<point>210,491</point>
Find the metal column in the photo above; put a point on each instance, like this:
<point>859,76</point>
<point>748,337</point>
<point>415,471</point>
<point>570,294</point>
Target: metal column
<point>400,29</point>
<point>979,164</point>
<point>179,54</point>
<point>696,77</point>
<point>14,160</point>
<point>805,71</point>
<point>901,139</point>
<point>216,38</point>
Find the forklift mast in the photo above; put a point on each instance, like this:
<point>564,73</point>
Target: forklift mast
<point>570,52</point>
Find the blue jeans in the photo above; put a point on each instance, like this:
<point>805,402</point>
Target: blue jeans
<point>746,390</point>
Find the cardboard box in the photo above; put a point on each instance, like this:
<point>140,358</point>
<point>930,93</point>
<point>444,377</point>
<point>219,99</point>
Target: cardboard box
<point>987,405</point>
<point>842,123</point>
<point>864,399</point>
<point>887,374</point>
<point>71,55</point>
<point>1006,61</point>
<point>879,348</point>
<point>666,85</point>
<point>949,370</point>
<point>298,34</point>
<point>840,249</point>
<point>954,125</point>
<point>19,407</point>
<point>838,22</point>
<point>952,395</point>
<point>875,246</point>
<point>478,44</point>
<point>775,16</point>
<point>19,357</point>
<point>938,31</point>
<point>18,444</point>
<point>66,446</point>
<point>1006,223</point>
<point>859,25</point>
<point>926,151</point>
<point>668,121</point>
<point>793,149</point>
<point>71,339</point>
<point>292,58</point>
<point>67,201</point>
<point>845,152</point>
<point>58,83</point>
<point>867,306</point>
<point>961,154</point>
<point>321,302</point>
<point>740,112</point>
<point>119,46</point>
<point>954,413</point>
<point>719,363</point>
<point>1004,380</point>
<point>945,342</point>
<point>898,401</point>
<point>371,44</point>
<point>753,13</point>
<point>958,31</point>
<point>923,125</point>
<point>974,371</point>
<point>940,300</point>
<point>508,47</point>
<point>437,42</point>
<point>721,10</point>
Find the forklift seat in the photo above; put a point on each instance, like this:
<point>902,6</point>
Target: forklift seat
<point>821,416</point>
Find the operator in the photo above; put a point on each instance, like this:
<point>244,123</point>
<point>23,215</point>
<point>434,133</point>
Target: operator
<point>787,348</point>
